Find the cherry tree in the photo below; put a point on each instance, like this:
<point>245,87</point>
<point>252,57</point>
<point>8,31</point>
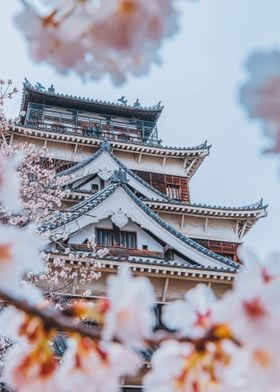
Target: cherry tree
<point>41,190</point>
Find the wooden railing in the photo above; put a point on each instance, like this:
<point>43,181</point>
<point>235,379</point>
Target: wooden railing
<point>121,252</point>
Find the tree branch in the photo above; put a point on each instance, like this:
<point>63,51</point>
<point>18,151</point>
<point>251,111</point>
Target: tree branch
<point>52,318</point>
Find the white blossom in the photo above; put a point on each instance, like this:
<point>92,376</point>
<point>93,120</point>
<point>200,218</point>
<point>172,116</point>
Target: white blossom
<point>177,367</point>
<point>114,37</point>
<point>130,315</point>
<point>10,182</point>
<point>96,367</point>
<point>19,253</point>
<point>261,94</point>
<point>193,315</point>
<point>26,371</point>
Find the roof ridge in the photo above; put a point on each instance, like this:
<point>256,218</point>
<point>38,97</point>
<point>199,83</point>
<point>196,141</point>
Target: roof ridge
<point>250,207</point>
<point>51,91</point>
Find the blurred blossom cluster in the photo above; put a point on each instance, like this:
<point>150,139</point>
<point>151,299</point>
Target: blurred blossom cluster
<point>93,38</point>
<point>261,94</point>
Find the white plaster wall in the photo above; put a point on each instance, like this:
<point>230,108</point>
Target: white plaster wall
<point>62,149</point>
<point>194,226</point>
<point>152,163</point>
<point>87,186</point>
<point>172,219</point>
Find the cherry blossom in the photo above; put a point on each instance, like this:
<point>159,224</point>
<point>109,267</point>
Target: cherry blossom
<point>114,37</point>
<point>252,313</point>
<point>10,182</point>
<point>129,316</point>
<point>261,94</point>
<point>250,371</point>
<point>192,316</point>
<point>251,307</point>
<point>19,253</point>
<point>29,369</point>
<point>96,367</point>
<point>29,173</point>
<point>178,367</point>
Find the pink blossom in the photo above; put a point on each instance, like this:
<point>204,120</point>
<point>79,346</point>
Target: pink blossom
<point>114,37</point>
<point>89,366</point>
<point>192,316</point>
<point>39,188</point>
<point>130,315</point>
<point>251,310</point>
<point>30,371</point>
<point>19,253</point>
<point>261,94</point>
<point>250,371</point>
<point>178,367</point>
<point>10,182</point>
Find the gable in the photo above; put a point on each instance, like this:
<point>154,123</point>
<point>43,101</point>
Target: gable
<point>104,164</point>
<point>120,205</point>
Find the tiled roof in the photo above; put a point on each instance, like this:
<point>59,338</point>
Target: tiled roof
<point>105,146</point>
<point>59,219</point>
<point>151,113</point>
<point>255,210</point>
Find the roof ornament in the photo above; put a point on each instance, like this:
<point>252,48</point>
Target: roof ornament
<point>119,218</point>
<point>105,145</point>
<point>105,173</point>
<point>120,177</point>
<point>26,82</point>
<point>51,89</point>
<point>123,100</point>
<point>137,103</point>
<point>159,105</point>
<point>40,87</point>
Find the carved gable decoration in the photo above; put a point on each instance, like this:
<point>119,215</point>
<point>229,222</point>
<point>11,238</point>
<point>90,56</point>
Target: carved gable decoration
<point>119,218</point>
<point>105,173</point>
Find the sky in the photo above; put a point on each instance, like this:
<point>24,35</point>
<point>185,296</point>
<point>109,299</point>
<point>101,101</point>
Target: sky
<point>198,81</point>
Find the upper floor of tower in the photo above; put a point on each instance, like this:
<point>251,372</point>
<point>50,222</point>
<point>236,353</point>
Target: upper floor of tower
<point>44,108</point>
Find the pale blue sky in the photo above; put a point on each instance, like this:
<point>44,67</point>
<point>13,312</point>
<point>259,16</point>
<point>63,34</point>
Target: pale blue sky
<point>198,84</point>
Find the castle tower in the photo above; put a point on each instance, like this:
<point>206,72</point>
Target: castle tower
<point>133,194</point>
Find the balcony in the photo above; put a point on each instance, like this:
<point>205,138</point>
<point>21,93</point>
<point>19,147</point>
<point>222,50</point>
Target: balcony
<point>117,251</point>
<point>90,125</point>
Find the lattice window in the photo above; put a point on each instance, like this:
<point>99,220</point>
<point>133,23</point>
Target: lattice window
<point>94,188</point>
<point>173,191</point>
<point>111,238</point>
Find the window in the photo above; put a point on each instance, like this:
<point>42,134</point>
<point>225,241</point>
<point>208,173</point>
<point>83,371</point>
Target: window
<point>131,389</point>
<point>94,188</point>
<point>173,191</point>
<point>168,253</point>
<point>115,237</point>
